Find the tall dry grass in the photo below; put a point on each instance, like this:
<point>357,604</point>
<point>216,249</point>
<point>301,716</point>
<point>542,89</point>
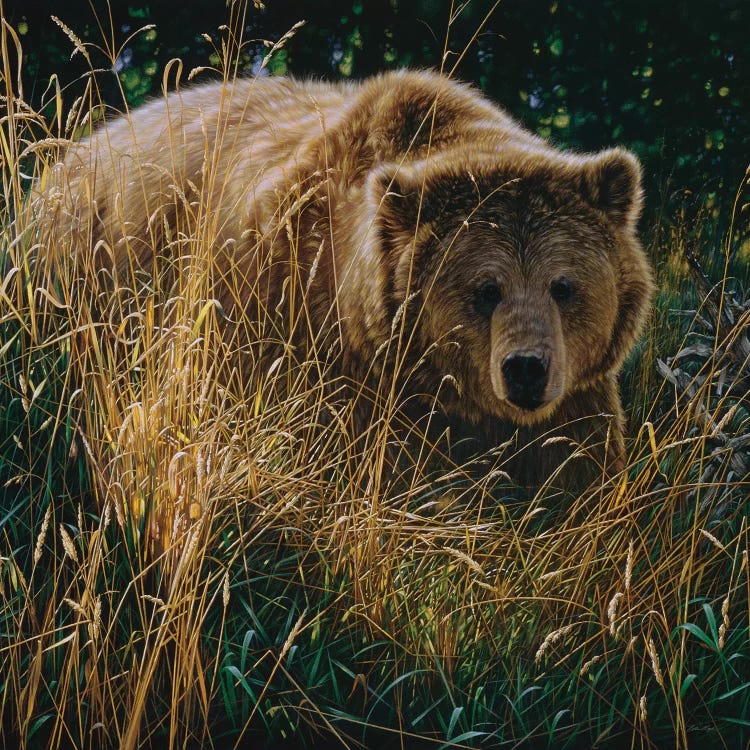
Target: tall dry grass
<point>196,554</point>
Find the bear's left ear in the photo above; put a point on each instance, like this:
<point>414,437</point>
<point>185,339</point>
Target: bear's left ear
<point>611,182</point>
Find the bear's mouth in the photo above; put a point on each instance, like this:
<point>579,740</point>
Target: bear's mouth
<point>529,412</point>
<point>528,404</point>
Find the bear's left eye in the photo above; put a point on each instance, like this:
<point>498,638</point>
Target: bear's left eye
<point>562,290</point>
<point>487,298</point>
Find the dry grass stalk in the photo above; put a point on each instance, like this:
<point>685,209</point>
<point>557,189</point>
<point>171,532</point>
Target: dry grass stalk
<point>203,460</point>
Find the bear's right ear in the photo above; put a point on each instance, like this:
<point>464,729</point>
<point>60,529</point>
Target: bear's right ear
<point>401,198</point>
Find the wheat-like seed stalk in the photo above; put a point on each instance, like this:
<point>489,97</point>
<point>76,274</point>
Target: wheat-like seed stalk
<point>558,439</point>
<point>711,538</point>
<point>629,566</point>
<point>724,622</point>
<point>612,612</point>
<point>225,590</point>
<point>460,555</point>
<point>724,421</point>
<point>39,547</point>
<point>75,606</point>
<point>119,513</point>
<point>642,712</point>
<point>68,545</point>
<point>95,625</point>
<point>655,662</point>
<point>551,639</point>
<point>590,663</point>
<point>77,43</point>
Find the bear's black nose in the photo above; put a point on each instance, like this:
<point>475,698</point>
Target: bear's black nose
<point>525,379</point>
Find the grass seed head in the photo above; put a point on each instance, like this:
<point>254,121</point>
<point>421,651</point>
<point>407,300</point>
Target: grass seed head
<point>551,639</point>
<point>612,612</point>
<point>629,567</point>
<point>39,547</point>
<point>68,545</point>
<point>655,662</point>
<point>590,663</point>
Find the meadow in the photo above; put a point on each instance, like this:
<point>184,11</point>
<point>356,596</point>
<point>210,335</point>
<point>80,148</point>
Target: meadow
<point>192,555</point>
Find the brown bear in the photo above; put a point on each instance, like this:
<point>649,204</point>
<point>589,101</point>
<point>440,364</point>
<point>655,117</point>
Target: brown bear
<point>465,262</point>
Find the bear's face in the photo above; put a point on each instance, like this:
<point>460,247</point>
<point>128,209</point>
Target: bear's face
<point>531,287</point>
<point>521,269</point>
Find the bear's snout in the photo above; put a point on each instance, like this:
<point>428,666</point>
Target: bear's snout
<point>525,374</point>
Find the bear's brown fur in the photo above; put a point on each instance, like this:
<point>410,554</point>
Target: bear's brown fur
<point>414,208</point>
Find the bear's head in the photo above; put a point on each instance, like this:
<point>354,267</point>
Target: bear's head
<point>524,274</point>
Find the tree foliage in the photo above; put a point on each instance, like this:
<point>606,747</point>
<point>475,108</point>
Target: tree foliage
<point>667,79</point>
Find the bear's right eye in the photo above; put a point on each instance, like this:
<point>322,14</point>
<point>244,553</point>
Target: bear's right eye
<point>487,298</point>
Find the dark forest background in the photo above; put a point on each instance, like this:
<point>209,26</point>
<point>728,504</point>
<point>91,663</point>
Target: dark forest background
<point>667,79</point>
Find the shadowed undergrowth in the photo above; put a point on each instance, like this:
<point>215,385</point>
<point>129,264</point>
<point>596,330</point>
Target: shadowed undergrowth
<point>195,553</point>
